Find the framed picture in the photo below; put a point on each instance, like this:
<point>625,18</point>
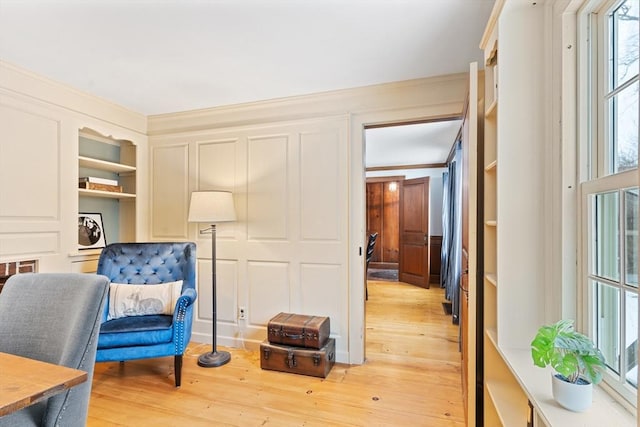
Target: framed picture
<point>91,231</point>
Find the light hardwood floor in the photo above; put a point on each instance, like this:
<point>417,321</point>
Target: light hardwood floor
<point>411,378</point>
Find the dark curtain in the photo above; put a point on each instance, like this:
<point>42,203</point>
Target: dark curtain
<point>451,262</point>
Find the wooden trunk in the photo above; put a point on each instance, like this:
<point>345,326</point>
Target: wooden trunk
<point>297,360</point>
<point>298,330</point>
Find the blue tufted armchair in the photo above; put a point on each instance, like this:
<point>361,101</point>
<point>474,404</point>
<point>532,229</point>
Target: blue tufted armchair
<point>154,335</point>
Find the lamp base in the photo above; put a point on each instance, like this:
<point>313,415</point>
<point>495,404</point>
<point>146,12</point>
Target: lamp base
<point>214,359</point>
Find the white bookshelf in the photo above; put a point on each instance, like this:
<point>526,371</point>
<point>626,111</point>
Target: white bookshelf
<point>111,158</point>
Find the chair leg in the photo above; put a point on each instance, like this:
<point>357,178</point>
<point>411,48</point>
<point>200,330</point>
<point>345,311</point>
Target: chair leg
<point>366,283</point>
<point>177,367</point>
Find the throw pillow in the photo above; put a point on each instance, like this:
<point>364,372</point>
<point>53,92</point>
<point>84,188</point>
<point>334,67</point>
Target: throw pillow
<point>140,300</point>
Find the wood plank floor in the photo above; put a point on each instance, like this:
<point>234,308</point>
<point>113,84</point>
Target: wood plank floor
<point>411,377</point>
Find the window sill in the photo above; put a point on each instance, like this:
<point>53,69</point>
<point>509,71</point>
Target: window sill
<point>536,383</point>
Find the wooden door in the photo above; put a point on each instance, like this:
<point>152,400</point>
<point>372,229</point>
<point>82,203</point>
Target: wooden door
<point>383,218</point>
<point>414,232</point>
<point>375,215</point>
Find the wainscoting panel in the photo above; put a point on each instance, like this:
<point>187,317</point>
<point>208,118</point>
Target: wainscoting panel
<point>269,291</point>
<point>321,185</point>
<point>324,293</point>
<point>40,121</point>
<point>216,165</point>
<point>29,166</point>
<point>267,177</point>
<point>27,244</point>
<point>226,290</point>
<point>170,195</point>
<point>30,182</point>
<point>287,250</point>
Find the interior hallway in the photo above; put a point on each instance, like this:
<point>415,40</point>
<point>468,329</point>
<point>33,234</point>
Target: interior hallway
<point>408,329</point>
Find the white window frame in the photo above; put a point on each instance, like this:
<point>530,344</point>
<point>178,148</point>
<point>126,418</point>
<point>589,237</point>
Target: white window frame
<point>593,160</point>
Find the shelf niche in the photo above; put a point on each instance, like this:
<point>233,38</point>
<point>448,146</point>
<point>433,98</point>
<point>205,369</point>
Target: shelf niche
<point>101,156</point>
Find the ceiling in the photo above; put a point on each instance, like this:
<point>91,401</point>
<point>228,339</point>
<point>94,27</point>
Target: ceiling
<point>414,144</point>
<point>164,56</point>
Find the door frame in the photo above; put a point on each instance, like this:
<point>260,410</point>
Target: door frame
<point>358,210</point>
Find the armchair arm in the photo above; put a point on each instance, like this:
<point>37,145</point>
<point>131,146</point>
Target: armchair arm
<point>185,301</point>
<point>189,295</point>
<point>182,319</point>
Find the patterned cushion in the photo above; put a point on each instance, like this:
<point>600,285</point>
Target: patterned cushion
<point>141,300</point>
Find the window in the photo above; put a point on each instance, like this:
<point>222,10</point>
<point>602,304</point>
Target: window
<point>610,190</point>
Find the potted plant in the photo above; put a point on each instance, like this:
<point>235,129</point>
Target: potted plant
<point>578,362</point>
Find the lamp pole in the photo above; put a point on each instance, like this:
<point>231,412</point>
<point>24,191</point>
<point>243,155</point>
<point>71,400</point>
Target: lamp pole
<point>214,358</point>
<point>212,207</point>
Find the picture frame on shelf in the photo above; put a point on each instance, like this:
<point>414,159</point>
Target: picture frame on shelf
<point>91,233</point>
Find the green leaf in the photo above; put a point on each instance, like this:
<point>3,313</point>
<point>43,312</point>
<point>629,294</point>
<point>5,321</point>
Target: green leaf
<point>570,353</point>
<point>567,365</point>
<point>593,368</point>
<point>542,346</point>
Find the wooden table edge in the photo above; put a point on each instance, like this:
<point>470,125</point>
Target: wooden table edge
<point>81,376</point>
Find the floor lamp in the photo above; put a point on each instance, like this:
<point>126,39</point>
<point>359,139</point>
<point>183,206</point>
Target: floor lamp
<point>212,207</point>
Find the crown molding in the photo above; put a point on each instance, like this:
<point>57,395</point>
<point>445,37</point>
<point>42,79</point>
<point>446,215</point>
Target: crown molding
<point>448,89</point>
<point>27,83</point>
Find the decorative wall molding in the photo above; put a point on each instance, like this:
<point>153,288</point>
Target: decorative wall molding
<point>21,81</point>
<point>168,214</point>
<point>322,193</point>
<point>406,94</point>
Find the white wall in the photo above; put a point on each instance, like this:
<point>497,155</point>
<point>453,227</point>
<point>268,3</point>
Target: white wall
<point>287,250</point>
<point>39,130</point>
<point>300,157</point>
<point>435,205</point>
<point>265,262</point>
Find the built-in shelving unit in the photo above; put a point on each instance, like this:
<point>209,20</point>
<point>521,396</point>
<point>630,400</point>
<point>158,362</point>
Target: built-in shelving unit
<point>516,234</point>
<point>102,156</point>
<point>88,162</point>
<point>505,403</point>
<point>82,192</point>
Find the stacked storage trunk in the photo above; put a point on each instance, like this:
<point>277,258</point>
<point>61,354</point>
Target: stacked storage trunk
<point>299,344</point>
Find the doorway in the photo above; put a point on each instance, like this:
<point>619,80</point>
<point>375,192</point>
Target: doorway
<point>396,154</point>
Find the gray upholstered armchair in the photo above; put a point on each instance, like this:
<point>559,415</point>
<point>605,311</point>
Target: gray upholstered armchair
<point>128,332</point>
<point>54,318</point>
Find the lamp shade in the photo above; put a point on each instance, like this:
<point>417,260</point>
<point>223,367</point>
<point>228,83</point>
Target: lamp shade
<point>211,207</point>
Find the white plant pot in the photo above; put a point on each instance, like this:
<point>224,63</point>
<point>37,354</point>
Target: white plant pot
<point>574,397</point>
